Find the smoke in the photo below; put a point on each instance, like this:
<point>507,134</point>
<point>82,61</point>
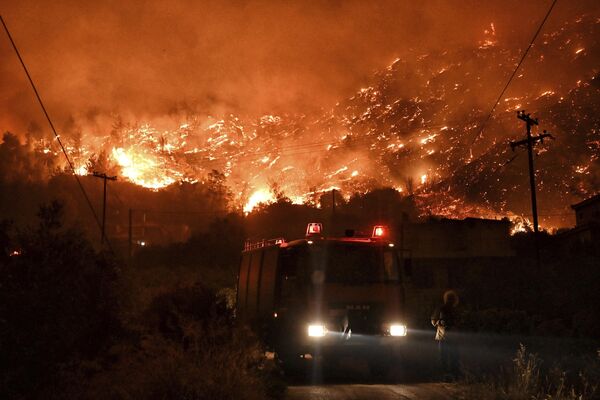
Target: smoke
<point>309,95</point>
<point>152,59</point>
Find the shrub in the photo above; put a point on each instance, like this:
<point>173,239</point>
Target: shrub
<point>58,306</point>
<point>190,349</point>
<point>527,380</point>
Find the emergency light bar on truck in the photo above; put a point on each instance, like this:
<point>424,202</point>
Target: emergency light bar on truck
<point>379,232</point>
<point>315,229</point>
<point>248,245</point>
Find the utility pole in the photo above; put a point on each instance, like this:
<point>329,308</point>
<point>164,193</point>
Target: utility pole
<point>130,237</point>
<point>105,178</point>
<point>530,141</point>
<point>332,202</point>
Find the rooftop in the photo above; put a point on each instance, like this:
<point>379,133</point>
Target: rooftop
<point>586,202</point>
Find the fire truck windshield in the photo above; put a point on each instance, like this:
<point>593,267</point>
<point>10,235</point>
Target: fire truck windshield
<point>349,263</point>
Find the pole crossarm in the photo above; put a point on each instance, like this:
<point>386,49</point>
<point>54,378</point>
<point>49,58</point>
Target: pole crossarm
<point>529,142</point>
<point>522,115</point>
<point>534,139</point>
<point>104,176</point>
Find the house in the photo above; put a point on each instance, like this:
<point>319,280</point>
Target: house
<point>588,211</point>
<point>586,234</point>
<point>441,254</point>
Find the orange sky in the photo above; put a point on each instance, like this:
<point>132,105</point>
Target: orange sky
<point>146,58</point>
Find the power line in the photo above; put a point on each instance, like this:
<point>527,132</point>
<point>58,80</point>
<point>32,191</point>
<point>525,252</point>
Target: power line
<point>514,73</point>
<point>149,210</point>
<point>504,164</point>
<point>57,136</point>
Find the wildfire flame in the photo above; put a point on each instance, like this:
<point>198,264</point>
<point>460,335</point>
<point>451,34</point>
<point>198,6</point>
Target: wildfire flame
<point>140,170</point>
<point>261,196</point>
<point>417,140</point>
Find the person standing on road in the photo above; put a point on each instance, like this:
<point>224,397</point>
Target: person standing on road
<point>445,320</point>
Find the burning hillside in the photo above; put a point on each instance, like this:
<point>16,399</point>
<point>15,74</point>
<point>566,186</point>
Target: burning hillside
<point>415,128</point>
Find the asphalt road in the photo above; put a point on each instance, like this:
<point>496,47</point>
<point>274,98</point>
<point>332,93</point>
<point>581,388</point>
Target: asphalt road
<point>418,377</point>
<point>422,391</point>
<point>352,378</point>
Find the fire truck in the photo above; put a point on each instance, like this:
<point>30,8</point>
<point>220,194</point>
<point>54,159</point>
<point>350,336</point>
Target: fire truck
<point>322,297</point>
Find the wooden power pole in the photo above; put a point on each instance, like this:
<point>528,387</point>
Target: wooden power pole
<point>333,202</point>
<point>105,178</point>
<point>530,141</point>
<point>130,237</point>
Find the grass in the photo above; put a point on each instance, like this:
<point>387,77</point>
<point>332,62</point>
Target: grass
<point>530,379</point>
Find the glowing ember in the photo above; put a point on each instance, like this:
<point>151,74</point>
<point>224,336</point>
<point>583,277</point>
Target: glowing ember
<point>520,225</point>
<point>489,40</point>
<point>81,170</point>
<point>428,139</point>
<point>546,93</point>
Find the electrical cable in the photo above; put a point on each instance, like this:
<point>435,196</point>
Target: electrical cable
<point>57,136</point>
<point>149,210</point>
<point>480,133</point>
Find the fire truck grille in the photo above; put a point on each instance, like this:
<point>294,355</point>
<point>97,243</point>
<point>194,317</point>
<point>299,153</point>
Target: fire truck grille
<point>364,319</point>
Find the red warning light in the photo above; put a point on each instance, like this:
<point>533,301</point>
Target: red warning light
<point>379,231</point>
<point>314,228</point>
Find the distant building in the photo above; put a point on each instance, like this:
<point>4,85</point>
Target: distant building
<point>440,254</point>
<point>145,229</point>
<point>586,234</point>
<point>588,211</point>
<point>452,238</point>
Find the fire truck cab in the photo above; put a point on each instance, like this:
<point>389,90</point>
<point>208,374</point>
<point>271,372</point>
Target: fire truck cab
<point>322,297</point>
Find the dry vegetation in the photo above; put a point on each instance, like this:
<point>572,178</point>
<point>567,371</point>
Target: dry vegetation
<point>75,323</point>
<point>529,379</point>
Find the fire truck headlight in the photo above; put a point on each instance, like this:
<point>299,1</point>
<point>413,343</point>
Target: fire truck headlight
<point>398,330</point>
<point>316,330</point>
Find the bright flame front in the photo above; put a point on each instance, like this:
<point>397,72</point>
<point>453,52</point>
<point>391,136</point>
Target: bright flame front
<point>261,196</point>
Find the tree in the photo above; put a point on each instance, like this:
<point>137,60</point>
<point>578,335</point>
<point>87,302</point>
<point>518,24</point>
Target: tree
<point>101,163</point>
<point>219,194</point>
<point>277,192</point>
<point>58,305</point>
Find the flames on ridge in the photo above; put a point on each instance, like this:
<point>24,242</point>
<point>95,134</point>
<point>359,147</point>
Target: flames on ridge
<point>415,128</point>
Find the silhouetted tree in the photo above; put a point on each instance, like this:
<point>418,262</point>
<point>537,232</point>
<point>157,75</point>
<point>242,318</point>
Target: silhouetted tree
<point>58,306</point>
<point>101,163</point>
<point>219,194</point>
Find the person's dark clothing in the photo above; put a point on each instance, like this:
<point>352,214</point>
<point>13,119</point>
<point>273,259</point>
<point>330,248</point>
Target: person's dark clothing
<point>445,319</point>
<point>448,349</point>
